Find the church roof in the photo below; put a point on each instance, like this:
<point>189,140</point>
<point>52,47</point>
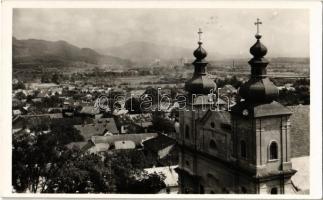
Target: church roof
<point>248,109</point>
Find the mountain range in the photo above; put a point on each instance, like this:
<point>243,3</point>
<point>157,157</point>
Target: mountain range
<point>36,51</point>
<point>62,53</point>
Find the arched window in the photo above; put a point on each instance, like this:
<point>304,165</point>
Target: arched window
<point>274,190</point>
<point>213,145</point>
<point>243,149</point>
<point>273,151</point>
<point>212,124</point>
<point>187,132</point>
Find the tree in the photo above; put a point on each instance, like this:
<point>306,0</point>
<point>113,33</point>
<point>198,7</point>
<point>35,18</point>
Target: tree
<point>32,153</point>
<point>18,85</point>
<point>77,173</point>
<point>45,78</point>
<point>64,132</point>
<point>153,93</point>
<point>42,163</point>
<point>161,123</point>
<point>30,158</point>
<point>55,78</point>
<point>133,106</point>
<point>129,175</point>
<point>20,95</point>
<point>149,184</point>
<point>232,81</point>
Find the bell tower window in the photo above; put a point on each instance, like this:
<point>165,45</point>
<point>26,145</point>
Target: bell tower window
<point>273,151</point>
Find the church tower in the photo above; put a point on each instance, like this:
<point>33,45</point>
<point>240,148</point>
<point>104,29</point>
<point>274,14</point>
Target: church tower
<point>261,129</point>
<point>245,150</point>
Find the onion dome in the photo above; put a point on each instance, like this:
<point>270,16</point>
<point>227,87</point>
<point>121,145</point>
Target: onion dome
<point>200,83</point>
<point>258,50</point>
<point>200,53</point>
<point>258,89</point>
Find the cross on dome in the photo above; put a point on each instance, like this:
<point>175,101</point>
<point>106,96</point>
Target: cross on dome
<point>257,24</point>
<point>200,34</point>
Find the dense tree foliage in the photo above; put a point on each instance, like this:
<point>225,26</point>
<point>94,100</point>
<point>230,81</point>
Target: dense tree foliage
<point>18,85</point>
<point>127,167</point>
<point>231,81</point>
<point>78,173</point>
<point>133,105</point>
<point>42,163</point>
<point>301,94</point>
<point>161,123</point>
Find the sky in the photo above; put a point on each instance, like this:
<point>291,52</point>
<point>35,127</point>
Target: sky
<point>226,32</point>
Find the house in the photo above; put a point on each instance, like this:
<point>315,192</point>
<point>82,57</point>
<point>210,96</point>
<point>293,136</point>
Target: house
<point>31,121</point>
<point>93,129</point>
<point>118,142</point>
<point>109,124</point>
<point>124,144</point>
<point>161,150</point>
<point>90,111</point>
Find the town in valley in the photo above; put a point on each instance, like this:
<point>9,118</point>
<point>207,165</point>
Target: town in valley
<point>137,119</point>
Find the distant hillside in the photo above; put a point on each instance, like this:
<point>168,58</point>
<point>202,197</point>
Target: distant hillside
<point>33,51</point>
<point>144,52</point>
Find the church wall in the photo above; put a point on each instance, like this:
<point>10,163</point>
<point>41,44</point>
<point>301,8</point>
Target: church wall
<point>273,129</point>
<point>243,131</point>
<point>283,187</point>
<point>258,134</point>
<point>217,178</point>
<point>213,139</point>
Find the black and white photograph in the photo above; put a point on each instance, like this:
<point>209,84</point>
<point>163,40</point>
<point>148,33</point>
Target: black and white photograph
<point>165,101</point>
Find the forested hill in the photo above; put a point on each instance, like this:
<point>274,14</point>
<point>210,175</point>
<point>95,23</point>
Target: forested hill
<point>60,53</point>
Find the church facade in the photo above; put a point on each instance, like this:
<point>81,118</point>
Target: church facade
<point>244,150</point>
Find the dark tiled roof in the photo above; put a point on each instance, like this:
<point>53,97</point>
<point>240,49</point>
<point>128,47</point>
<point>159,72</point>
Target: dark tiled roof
<point>110,124</point>
<point>300,130</point>
<point>97,128</point>
<point>158,143</point>
<point>223,116</point>
<point>261,110</point>
<point>89,130</point>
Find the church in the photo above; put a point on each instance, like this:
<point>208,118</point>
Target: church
<point>246,149</point>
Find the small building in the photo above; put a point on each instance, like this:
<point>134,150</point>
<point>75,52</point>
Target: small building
<point>161,150</point>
